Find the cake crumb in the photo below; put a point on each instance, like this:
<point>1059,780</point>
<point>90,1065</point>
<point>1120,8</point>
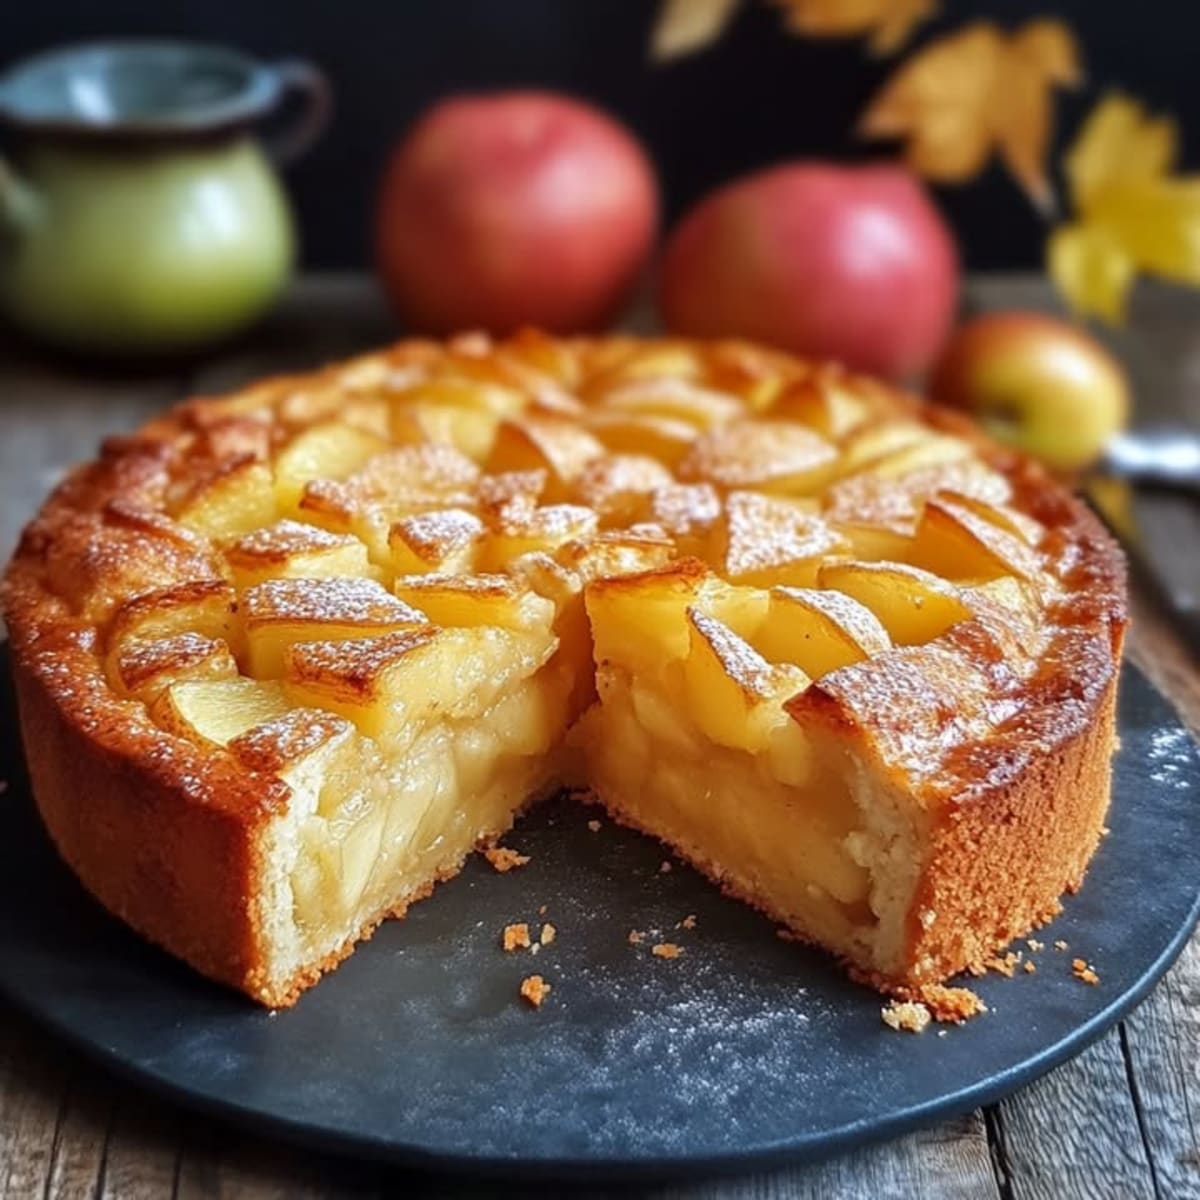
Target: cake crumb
<point>542,911</point>
<point>516,937</point>
<point>549,933</point>
<point>503,859</point>
<point>688,922</point>
<point>951,1004</point>
<point>1061,945</point>
<point>636,938</point>
<point>534,989</point>
<point>911,1016</point>
<point>1034,945</point>
<point>666,950</point>
<point>594,826</point>
<point>1084,971</point>
<point>1030,968</point>
<point>1005,966</point>
<point>664,867</point>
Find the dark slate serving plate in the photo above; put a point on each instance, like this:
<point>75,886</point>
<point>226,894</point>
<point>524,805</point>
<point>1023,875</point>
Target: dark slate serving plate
<point>745,1051</point>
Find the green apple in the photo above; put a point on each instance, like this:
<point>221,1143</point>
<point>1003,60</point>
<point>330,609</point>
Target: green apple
<point>1036,383</point>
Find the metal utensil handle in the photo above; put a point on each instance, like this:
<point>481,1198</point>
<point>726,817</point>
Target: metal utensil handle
<point>311,90</point>
<point>1166,457</point>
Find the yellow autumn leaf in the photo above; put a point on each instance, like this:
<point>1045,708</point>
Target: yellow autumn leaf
<point>685,26</point>
<point>888,23</point>
<point>1132,214</point>
<point>978,92</point>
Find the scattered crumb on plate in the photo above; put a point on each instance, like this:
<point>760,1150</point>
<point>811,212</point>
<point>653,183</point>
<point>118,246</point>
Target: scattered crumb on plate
<point>636,938</point>
<point>666,950</point>
<point>951,1004</point>
<point>503,859</point>
<point>534,989</point>
<point>1084,971</point>
<point>549,933</point>
<point>594,826</point>
<point>516,937</point>
<point>911,1016</point>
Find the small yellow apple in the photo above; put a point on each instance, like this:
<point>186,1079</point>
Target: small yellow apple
<point>1036,383</point>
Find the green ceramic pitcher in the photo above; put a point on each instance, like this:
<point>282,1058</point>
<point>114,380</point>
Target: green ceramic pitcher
<point>138,211</point>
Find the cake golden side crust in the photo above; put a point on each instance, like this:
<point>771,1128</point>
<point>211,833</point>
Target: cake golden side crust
<point>167,837</point>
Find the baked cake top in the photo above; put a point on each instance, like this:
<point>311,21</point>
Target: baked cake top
<point>299,540</point>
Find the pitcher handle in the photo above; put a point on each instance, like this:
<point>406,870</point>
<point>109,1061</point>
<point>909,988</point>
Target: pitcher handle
<point>18,203</point>
<point>304,84</point>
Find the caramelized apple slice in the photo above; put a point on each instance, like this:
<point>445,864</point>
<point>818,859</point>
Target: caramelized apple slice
<point>470,431</point>
<point>559,447</point>
<point>204,606</point>
<point>395,685</point>
<point>734,695</point>
<point>617,485</point>
<point>456,600</point>
<point>823,402</point>
<point>993,508</point>
<point>301,747</point>
<point>291,550</point>
<point>639,621</point>
<point>955,542</point>
<point>388,487</point>
<point>769,540</point>
<point>663,438</point>
<point>217,710</point>
<point>819,631</point>
<point>774,455</point>
<point>144,669</point>
<point>331,450</point>
<point>469,395</point>
<point>911,604</point>
<point>675,398</point>
<point>933,451</point>
<point>282,612</point>
<point>444,541</point>
<point>688,512</point>
<point>544,529</point>
<point>236,497</point>
<point>617,552</point>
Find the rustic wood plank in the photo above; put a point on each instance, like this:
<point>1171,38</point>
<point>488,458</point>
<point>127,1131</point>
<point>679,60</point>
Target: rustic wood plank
<point>1162,1046</point>
<point>1074,1135</point>
<point>32,1093</point>
<point>81,1145</point>
<point>141,1157</point>
<point>218,1163</point>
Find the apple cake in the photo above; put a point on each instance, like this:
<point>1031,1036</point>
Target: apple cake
<point>286,657</point>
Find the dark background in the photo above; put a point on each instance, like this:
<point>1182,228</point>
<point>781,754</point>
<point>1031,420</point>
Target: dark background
<point>759,96</point>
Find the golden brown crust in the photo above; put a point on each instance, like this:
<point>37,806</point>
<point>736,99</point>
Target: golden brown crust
<point>170,835</point>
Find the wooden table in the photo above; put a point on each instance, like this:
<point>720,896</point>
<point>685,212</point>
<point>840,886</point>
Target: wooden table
<point>1122,1120</point>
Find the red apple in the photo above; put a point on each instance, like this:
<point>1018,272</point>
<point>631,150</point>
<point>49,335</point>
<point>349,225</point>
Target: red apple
<point>1036,382</point>
<point>849,263</point>
<point>518,208</point>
